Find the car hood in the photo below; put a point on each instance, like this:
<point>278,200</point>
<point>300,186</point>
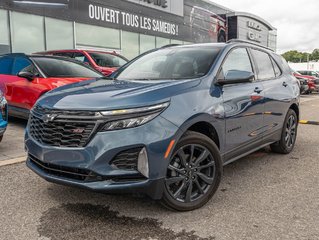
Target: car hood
<point>102,94</point>
<point>58,82</point>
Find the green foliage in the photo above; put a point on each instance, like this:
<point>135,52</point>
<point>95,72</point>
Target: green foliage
<point>295,56</point>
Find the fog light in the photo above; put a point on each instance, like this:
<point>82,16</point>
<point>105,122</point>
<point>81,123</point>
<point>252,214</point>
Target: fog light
<point>142,163</point>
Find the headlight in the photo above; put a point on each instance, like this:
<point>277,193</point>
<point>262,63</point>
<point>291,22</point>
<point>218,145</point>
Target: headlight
<point>130,118</point>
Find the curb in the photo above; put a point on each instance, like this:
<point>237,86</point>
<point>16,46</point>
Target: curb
<point>309,122</point>
<point>12,161</point>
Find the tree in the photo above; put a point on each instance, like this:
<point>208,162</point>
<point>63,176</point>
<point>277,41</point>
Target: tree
<point>315,55</point>
<point>296,56</point>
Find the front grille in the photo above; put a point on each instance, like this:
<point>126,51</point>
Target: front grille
<point>126,160</point>
<point>64,129</point>
<point>66,172</point>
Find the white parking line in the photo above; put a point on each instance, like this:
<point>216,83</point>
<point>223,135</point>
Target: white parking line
<point>12,161</point>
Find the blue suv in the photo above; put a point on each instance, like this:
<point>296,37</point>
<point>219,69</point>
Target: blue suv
<point>167,122</point>
<point>3,115</point>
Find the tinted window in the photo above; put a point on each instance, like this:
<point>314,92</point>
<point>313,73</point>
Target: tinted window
<point>238,59</point>
<point>276,68</point>
<point>20,63</point>
<point>107,60</point>
<point>264,64</point>
<point>171,63</point>
<point>52,67</point>
<point>6,65</point>
<point>81,57</point>
<point>64,54</point>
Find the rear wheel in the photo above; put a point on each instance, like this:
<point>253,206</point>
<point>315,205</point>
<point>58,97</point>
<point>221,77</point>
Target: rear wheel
<point>193,174</point>
<point>288,135</point>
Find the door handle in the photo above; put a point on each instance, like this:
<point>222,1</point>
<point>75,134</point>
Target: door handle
<point>258,90</point>
<point>284,84</point>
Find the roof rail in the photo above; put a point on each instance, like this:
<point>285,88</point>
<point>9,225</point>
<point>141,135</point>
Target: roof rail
<point>249,42</point>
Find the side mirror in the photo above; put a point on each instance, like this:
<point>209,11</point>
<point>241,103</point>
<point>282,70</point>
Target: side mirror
<point>28,75</point>
<point>237,76</point>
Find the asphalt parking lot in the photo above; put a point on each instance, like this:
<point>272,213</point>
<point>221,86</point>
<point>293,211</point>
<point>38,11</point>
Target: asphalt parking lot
<point>262,196</point>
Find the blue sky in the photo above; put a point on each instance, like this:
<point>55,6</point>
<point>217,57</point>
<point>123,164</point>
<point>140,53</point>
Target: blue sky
<point>297,21</point>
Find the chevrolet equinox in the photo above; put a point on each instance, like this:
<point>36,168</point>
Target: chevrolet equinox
<point>167,122</point>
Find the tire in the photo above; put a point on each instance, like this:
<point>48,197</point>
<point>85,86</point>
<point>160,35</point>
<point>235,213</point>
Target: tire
<point>1,137</point>
<point>288,134</point>
<point>190,186</point>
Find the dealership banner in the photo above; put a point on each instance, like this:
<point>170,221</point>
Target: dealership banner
<point>186,20</point>
<point>97,12</point>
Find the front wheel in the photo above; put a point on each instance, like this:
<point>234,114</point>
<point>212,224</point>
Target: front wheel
<point>193,174</point>
<point>288,134</point>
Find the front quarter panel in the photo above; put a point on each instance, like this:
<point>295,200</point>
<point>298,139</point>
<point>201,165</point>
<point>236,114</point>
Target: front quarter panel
<point>199,104</point>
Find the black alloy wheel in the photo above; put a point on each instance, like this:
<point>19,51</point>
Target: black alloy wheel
<point>291,130</point>
<point>193,173</point>
<point>288,135</point>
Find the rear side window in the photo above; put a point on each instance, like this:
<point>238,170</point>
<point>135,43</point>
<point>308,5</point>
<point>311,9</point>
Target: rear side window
<point>238,59</point>
<point>276,68</point>
<point>20,64</point>
<point>6,65</point>
<point>264,65</point>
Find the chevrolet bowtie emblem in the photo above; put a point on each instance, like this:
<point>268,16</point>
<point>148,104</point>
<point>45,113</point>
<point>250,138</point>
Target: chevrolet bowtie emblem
<point>48,117</point>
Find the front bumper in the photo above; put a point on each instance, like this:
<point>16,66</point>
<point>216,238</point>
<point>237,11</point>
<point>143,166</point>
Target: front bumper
<point>152,188</point>
<point>96,158</point>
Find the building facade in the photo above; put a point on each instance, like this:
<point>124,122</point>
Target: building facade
<point>129,27</point>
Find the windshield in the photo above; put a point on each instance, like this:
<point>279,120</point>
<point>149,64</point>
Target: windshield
<point>171,63</point>
<point>53,67</point>
<point>107,60</point>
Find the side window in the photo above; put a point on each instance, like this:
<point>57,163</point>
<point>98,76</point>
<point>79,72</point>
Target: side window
<point>6,65</point>
<point>20,64</point>
<point>81,57</point>
<point>63,54</point>
<point>276,68</point>
<point>264,65</point>
<point>238,59</point>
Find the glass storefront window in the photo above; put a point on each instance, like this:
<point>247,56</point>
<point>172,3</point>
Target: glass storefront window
<point>130,44</point>
<point>160,42</point>
<point>27,33</point>
<point>146,43</point>
<point>59,34</point>
<point>174,41</point>
<point>94,36</point>
<point>4,32</point>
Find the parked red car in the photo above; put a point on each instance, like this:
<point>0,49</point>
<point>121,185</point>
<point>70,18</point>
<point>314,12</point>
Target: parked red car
<point>104,62</point>
<point>313,82</point>
<point>23,78</point>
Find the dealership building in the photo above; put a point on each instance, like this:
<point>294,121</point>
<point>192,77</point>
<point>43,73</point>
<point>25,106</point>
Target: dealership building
<point>129,27</point>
